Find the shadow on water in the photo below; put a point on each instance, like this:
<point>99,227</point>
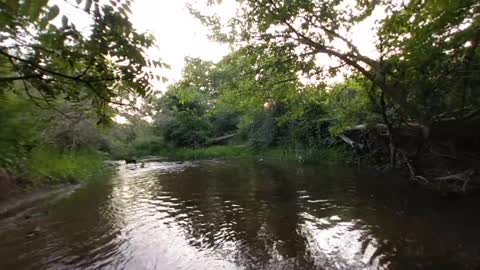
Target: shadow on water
<point>244,215</point>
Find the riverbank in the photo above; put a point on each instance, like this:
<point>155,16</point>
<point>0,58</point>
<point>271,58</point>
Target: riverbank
<point>339,155</point>
<point>46,168</point>
<point>457,184</point>
<point>22,200</point>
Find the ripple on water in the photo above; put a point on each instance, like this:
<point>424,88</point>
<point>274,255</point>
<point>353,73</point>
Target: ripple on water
<point>339,244</point>
<point>211,215</point>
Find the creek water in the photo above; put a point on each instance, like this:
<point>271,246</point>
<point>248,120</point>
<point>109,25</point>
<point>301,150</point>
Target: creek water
<point>241,214</point>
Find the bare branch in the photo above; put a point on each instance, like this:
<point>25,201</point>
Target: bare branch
<point>18,78</point>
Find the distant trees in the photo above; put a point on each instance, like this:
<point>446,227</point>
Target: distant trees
<point>232,97</point>
<point>182,112</point>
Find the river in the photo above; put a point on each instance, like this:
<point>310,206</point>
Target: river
<point>241,214</point>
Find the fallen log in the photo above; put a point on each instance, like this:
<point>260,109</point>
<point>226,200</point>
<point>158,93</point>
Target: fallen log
<point>368,126</point>
<point>348,140</point>
<point>411,170</point>
<point>220,139</point>
<point>464,177</point>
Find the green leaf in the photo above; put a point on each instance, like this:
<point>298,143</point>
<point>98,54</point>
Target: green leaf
<point>13,4</point>
<point>52,14</point>
<point>64,21</point>
<point>34,8</point>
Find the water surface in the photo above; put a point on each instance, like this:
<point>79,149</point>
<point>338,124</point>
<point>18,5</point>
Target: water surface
<point>243,215</point>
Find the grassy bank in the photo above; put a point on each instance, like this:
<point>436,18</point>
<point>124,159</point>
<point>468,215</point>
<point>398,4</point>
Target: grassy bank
<point>222,151</point>
<point>45,167</point>
<point>49,166</point>
<point>330,155</point>
<point>327,155</point>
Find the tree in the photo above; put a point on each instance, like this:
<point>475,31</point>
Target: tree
<point>20,130</point>
<point>305,29</point>
<point>182,112</point>
<point>103,64</point>
<point>308,28</point>
<point>431,55</point>
<point>425,70</point>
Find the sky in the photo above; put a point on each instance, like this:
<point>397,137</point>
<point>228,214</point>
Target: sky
<point>178,33</point>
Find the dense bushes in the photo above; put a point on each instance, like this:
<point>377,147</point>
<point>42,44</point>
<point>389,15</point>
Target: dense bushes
<point>219,151</point>
<point>20,131</point>
<point>187,129</point>
<point>262,131</point>
<point>44,147</point>
<point>50,166</point>
<point>198,109</point>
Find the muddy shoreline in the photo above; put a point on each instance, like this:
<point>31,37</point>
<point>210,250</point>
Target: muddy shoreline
<point>25,199</point>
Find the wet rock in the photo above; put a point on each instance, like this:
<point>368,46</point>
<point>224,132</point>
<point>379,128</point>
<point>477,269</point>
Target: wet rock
<point>36,231</point>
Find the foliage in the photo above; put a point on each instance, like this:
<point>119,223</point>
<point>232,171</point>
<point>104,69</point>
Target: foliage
<point>274,93</point>
<point>50,166</point>
<point>185,116</point>
<point>45,146</point>
<point>420,86</point>
<point>219,151</point>
<point>351,103</point>
<point>262,131</point>
<point>132,139</point>
<point>58,83</point>
<point>263,115</point>
<point>433,56</point>
<point>224,121</point>
<point>20,131</point>
<point>59,61</point>
<point>254,76</point>
<point>338,154</point>
<point>187,129</point>
<point>325,155</point>
<point>146,146</point>
<point>427,51</point>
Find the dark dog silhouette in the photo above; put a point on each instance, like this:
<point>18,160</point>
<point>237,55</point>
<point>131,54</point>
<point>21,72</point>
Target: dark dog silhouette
<point>131,161</point>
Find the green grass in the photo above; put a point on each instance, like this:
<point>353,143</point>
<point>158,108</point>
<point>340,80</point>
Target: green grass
<point>324,155</point>
<point>220,151</point>
<point>329,155</point>
<point>332,155</point>
<point>49,166</point>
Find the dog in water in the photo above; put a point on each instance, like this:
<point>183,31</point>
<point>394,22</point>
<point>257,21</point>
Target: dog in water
<point>131,161</point>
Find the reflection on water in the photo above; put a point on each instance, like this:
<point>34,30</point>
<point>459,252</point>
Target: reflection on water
<point>243,215</point>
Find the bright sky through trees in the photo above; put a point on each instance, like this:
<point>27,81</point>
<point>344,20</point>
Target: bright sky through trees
<point>177,32</point>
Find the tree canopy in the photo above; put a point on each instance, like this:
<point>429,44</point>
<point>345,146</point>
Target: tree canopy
<point>423,47</point>
<point>104,63</point>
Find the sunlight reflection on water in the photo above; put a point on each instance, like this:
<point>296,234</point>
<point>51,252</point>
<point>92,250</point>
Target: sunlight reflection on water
<point>230,215</point>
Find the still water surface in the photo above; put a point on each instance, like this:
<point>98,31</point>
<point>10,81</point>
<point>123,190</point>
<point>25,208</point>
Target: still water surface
<point>243,215</point>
